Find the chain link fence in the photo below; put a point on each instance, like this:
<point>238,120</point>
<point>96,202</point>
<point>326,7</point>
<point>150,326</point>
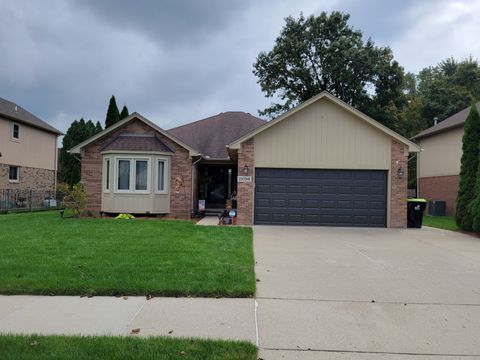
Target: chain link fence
<point>15,200</point>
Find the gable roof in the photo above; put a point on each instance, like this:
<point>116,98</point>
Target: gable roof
<point>16,113</point>
<point>212,135</point>
<point>452,122</point>
<point>76,149</point>
<point>412,147</point>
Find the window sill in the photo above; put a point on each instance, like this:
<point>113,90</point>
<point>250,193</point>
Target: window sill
<point>14,181</point>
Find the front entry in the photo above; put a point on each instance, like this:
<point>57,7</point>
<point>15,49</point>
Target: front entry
<point>321,197</point>
<point>216,184</point>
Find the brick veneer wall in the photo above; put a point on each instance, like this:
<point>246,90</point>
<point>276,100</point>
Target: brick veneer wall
<point>440,188</point>
<point>181,166</point>
<point>245,189</point>
<point>30,179</point>
<point>398,186</point>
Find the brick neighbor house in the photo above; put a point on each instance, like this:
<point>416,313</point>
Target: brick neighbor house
<point>438,165</point>
<point>321,163</point>
<point>28,150</point>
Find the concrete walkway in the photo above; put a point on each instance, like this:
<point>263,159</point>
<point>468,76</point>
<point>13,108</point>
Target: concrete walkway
<point>208,221</point>
<point>229,319</point>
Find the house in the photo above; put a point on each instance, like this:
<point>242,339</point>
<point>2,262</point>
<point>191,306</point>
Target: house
<point>28,150</point>
<point>321,163</point>
<point>438,163</point>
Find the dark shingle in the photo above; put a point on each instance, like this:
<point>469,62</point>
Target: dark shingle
<point>12,111</point>
<point>453,121</point>
<point>137,142</point>
<point>210,136</point>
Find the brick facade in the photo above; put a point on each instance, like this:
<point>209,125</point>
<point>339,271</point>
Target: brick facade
<point>181,166</point>
<point>398,186</point>
<point>30,179</point>
<point>440,188</point>
<point>245,190</point>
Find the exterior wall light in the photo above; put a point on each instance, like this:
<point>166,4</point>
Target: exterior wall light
<point>245,169</point>
<point>400,172</point>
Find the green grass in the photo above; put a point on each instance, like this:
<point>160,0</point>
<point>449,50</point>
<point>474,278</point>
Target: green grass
<point>441,222</point>
<point>20,347</point>
<point>41,253</point>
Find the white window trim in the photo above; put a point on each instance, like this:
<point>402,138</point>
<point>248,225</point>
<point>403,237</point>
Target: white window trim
<point>107,160</point>
<point>11,132</point>
<point>166,175</point>
<point>17,180</point>
<point>133,160</point>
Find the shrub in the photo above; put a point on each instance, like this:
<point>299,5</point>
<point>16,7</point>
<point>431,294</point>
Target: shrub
<point>125,216</point>
<point>76,199</point>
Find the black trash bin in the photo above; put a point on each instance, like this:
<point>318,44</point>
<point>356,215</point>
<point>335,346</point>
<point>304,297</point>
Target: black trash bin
<point>415,212</point>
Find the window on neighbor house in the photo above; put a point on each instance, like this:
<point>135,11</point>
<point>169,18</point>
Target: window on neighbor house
<point>15,131</point>
<point>14,173</point>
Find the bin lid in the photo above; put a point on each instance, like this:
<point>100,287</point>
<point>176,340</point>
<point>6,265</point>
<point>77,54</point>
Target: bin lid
<point>417,200</point>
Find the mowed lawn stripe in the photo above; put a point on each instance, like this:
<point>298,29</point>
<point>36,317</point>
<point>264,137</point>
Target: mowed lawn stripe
<point>21,347</point>
<point>41,253</point>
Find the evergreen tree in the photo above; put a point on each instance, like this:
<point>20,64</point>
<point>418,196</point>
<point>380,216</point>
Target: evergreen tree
<point>468,170</point>
<point>113,116</point>
<point>124,112</point>
<point>69,166</point>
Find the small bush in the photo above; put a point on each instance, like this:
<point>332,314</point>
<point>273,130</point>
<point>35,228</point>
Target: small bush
<point>76,200</point>
<point>125,216</point>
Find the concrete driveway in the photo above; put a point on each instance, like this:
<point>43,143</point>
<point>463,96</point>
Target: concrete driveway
<point>338,293</point>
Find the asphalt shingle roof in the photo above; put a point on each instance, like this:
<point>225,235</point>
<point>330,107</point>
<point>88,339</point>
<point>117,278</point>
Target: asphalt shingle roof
<point>456,120</point>
<point>210,136</point>
<point>137,142</point>
<point>15,112</point>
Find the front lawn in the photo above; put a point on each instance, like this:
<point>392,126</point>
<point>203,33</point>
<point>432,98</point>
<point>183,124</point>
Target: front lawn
<point>41,253</point>
<point>441,222</point>
<point>17,347</point>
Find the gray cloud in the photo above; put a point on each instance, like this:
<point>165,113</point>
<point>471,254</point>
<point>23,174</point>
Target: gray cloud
<point>178,61</point>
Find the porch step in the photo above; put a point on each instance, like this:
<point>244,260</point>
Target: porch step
<point>213,212</point>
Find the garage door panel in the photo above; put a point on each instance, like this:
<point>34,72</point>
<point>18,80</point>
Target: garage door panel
<point>320,197</point>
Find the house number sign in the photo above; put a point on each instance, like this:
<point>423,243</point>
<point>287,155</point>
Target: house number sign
<point>244,179</point>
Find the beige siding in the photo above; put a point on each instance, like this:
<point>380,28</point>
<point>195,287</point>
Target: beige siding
<point>441,154</point>
<point>153,202</point>
<point>323,135</point>
<point>35,148</point>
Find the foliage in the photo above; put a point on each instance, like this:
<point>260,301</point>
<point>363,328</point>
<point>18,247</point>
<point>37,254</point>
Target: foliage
<point>124,113</point>
<point>44,254</point>
<point>113,116</point>
<point>76,199</point>
<point>323,52</point>
<point>125,216</point>
<point>121,347</point>
<point>468,170</point>
<point>69,165</point>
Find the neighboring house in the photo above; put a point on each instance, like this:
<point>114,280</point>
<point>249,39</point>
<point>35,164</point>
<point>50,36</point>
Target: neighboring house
<point>438,164</point>
<point>321,163</point>
<point>28,150</point>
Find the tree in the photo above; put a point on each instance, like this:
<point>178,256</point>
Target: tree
<point>324,53</point>
<point>113,116</point>
<point>69,166</point>
<point>124,112</point>
<point>448,88</point>
<point>468,170</point>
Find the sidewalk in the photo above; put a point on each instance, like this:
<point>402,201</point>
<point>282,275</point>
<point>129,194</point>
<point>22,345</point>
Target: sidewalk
<point>228,319</point>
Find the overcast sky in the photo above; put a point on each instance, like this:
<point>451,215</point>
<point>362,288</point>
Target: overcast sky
<point>179,61</point>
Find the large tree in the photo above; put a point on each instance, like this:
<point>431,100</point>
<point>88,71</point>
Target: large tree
<point>317,53</point>
<point>468,170</point>
<point>113,116</point>
<point>69,165</point>
<point>447,88</point>
<point>124,113</point>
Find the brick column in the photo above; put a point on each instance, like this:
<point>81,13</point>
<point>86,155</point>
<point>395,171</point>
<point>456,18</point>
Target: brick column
<point>398,186</point>
<point>245,189</point>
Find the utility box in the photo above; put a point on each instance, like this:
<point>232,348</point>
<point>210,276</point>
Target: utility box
<point>437,208</point>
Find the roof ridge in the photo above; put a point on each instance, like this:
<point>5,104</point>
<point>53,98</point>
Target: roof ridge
<point>212,116</point>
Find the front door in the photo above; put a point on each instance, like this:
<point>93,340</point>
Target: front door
<point>216,184</point>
